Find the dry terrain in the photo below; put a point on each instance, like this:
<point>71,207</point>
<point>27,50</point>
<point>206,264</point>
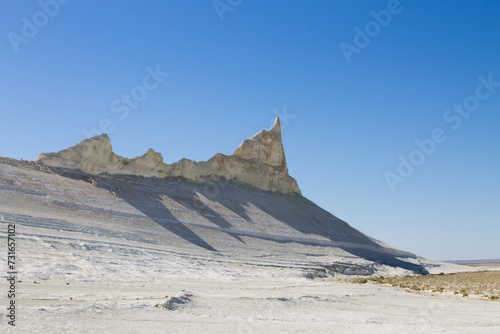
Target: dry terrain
<point>479,284</point>
<point>128,254</point>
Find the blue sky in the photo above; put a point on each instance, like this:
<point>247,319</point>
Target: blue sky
<point>234,65</point>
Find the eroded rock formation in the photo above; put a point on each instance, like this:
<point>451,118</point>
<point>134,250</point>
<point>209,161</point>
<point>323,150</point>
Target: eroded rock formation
<point>259,162</point>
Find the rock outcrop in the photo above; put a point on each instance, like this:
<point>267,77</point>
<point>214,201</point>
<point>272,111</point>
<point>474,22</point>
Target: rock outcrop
<point>259,162</point>
<point>265,147</point>
<point>95,156</point>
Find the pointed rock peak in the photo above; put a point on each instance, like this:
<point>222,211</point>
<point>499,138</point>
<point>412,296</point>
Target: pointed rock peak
<point>277,125</point>
<point>264,147</point>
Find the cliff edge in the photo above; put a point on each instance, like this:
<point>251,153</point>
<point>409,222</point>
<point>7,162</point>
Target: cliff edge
<point>259,162</point>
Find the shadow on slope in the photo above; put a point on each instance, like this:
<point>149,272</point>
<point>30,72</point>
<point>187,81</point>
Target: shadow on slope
<point>149,194</point>
<point>148,201</point>
<point>139,193</point>
<point>306,217</point>
<point>143,196</point>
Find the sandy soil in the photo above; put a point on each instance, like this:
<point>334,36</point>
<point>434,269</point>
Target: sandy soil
<point>480,285</point>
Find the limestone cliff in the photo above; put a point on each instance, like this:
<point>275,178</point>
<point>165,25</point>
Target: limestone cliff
<point>259,162</point>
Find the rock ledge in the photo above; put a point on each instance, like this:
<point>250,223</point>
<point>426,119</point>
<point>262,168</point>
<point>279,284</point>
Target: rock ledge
<point>259,162</point>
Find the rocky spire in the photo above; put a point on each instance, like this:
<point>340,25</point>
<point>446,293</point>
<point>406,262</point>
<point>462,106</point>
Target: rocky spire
<point>276,126</point>
<point>259,162</point>
<point>264,147</point>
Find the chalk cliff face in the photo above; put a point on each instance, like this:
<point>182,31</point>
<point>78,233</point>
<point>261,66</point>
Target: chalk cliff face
<point>259,162</point>
<point>265,147</point>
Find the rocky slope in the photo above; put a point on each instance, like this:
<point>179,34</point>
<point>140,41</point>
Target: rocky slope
<point>222,221</point>
<point>241,206</point>
<point>259,162</point>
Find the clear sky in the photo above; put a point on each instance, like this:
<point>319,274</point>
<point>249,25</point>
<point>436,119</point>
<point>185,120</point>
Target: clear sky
<point>356,84</point>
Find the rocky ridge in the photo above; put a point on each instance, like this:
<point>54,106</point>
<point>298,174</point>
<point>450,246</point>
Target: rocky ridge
<point>259,162</point>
